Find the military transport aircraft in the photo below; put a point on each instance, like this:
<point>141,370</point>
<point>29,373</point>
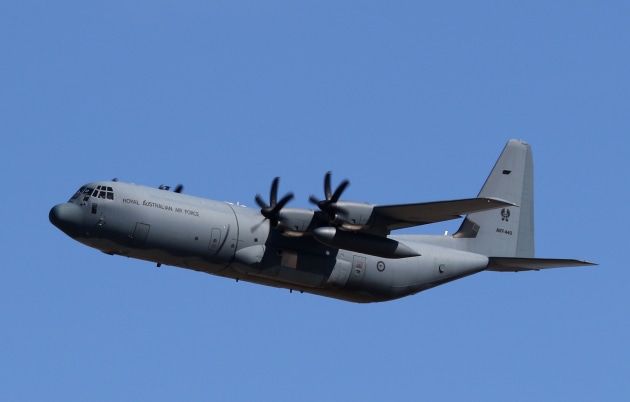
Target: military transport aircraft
<point>341,249</point>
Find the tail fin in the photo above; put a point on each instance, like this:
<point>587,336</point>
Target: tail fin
<point>508,232</point>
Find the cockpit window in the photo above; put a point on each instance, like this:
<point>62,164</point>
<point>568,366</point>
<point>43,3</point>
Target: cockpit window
<point>78,193</point>
<point>103,192</point>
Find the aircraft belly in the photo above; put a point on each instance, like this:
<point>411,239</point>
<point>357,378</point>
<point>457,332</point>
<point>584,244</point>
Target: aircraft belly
<point>268,258</point>
<point>436,266</point>
<point>385,279</point>
<point>292,277</point>
<point>339,275</point>
<point>287,266</point>
<point>371,275</point>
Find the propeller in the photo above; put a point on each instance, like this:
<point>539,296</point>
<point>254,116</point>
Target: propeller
<point>329,205</point>
<point>272,211</point>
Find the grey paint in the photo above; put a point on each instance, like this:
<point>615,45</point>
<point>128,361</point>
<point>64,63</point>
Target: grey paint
<point>342,251</point>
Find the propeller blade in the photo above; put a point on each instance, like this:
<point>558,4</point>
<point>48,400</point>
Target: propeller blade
<point>283,202</point>
<point>327,192</point>
<point>339,190</point>
<point>273,195</point>
<point>261,203</point>
<point>329,204</point>
<point>179,188</point>
<point>272,211</point>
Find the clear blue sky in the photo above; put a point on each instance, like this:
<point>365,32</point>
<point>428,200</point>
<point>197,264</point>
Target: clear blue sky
<point>410,102</point>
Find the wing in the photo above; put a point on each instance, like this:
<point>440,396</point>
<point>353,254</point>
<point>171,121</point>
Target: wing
<point>508,264</point>
<point>392,217</point>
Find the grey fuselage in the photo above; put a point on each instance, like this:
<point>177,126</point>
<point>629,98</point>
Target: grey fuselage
<point>236,242</point>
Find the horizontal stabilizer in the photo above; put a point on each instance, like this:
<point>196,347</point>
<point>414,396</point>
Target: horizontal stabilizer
<point>506,264</point>
<point>408,215</point>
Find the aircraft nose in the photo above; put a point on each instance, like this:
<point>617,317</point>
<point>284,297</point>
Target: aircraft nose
<point>68,218</point>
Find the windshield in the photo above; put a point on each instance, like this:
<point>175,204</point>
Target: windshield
<point>103,192</point>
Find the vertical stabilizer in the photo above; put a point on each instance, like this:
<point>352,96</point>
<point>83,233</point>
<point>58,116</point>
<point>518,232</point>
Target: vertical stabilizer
<point>507,232</point>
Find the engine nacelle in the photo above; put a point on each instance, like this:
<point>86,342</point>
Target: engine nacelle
<point>353,216</point>
<point>295,222</point>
